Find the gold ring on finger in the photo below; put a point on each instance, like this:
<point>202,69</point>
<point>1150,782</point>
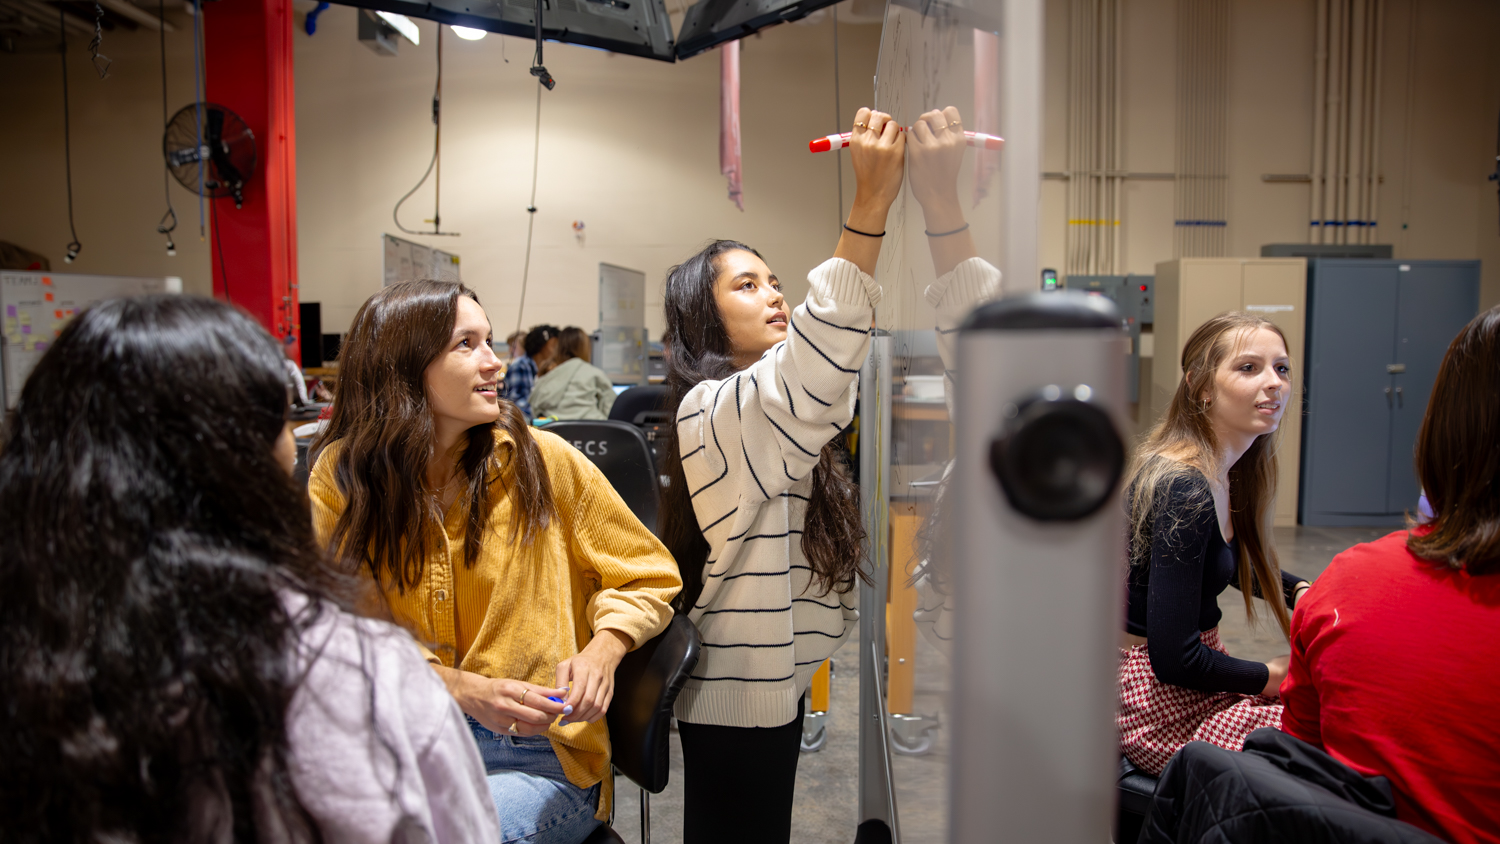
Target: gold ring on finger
<point>862,125</point>
<point>522,698</point>
<point>955,123</point>
<point>512,728</point>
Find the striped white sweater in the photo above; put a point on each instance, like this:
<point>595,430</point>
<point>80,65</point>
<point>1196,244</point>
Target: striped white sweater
<point>749,444</point>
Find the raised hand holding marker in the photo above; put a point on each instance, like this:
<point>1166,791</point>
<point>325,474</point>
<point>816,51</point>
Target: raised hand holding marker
<point>841,140</point>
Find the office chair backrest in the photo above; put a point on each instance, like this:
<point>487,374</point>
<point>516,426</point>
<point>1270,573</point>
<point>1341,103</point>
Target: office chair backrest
<point>640,405</point>
<point>640,716</point>
<point>621,452</point>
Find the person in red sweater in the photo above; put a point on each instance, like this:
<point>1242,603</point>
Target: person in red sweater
<point>1395,665</point>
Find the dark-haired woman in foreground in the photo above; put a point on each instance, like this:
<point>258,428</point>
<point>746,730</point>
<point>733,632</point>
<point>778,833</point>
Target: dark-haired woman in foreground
<point>498,545</point>
<point>1395,664</point>
<point>174,661</point>
<point>760,513</point>
<point>1201,498</point>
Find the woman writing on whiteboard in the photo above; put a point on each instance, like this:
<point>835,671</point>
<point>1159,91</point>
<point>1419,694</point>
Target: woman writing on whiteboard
<point>760,514</point>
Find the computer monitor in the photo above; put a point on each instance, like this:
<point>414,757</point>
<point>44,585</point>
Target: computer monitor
<point>634,27</point>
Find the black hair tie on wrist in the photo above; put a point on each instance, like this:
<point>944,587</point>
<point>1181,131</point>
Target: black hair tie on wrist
<point>963,227</point>
<point>866,234</point>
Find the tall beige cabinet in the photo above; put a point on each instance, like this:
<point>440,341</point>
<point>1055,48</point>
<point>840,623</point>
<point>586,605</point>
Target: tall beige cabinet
<point>1189,291</point>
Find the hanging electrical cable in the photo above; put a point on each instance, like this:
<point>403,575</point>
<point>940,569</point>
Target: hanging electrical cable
<point>74,247</point>
<point>537,69</point>
<point>435,163</point>
<point>536,152</point>
<point>199,83</point>
<point>168,222</point>
<point>838,116</point>
<point>94,56</point>
<point>543,79</point>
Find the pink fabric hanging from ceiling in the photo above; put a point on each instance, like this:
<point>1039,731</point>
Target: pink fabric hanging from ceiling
<point>986,108</point>
<point>729,119</point>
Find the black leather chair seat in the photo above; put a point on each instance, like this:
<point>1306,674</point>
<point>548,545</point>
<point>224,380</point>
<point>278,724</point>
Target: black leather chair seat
<point>604,834</point>
<point>1136,788</point>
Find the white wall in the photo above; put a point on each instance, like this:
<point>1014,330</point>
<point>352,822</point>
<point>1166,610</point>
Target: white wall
<point>1436,185</point>
<point>630,147</point>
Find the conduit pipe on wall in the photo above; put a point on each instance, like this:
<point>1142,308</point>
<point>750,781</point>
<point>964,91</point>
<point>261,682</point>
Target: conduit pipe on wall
<point>1202,196</point>
<point>1096,176</point>
<point>1346,121</point>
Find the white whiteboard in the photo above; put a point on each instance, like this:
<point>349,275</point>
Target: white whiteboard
<point>409,261</point>
<point>621,350</point>
<point>36,306</point>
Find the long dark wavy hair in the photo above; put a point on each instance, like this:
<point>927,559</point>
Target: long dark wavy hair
<point>383,421</point>
<point>149,538</point>
<point>697,350</point>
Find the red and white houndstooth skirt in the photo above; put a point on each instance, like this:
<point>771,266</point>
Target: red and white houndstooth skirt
<point>1156,719</point>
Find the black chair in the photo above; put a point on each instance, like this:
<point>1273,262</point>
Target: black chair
<point>640,716</point>
<point>621,452</point>
<point>641,405</point>
<point>1136,789</point>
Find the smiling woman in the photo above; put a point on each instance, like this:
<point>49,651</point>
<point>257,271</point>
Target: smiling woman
<point>1200,499</point>
<point>423,466</point>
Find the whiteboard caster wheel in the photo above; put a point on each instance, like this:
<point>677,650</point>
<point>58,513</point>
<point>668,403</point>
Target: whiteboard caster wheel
<point>913,735</point>
<point>814,731</point>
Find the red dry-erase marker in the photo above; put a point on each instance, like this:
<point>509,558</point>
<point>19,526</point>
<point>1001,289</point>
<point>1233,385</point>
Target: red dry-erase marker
<point>841,140</point>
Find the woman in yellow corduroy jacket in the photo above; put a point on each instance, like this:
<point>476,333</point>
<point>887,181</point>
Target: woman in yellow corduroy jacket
<point>500,547</point>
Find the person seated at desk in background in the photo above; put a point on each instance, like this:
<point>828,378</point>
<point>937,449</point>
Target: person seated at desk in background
<point>520,376</point>
<point>572,388</point>
<point>498,544</point>
<point>177,660</point>
<point>1395,665</point>
<point>1200,498</point>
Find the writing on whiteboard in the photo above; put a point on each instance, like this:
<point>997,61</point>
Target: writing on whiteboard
<point>1270,309</point>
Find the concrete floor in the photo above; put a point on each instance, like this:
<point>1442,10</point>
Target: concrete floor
<point>825,810</point>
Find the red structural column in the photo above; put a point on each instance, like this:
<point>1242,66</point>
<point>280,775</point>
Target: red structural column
<point>248,58</point>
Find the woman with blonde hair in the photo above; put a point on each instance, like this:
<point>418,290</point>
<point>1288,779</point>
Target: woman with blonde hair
<point>1200,498</point>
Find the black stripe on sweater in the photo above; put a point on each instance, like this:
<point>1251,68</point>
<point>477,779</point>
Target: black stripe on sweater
<point>748,645</point>
<point>791,402</point>
<point>777,609</point>
<point>748,574</point>
<point>693,452</point>
<point>816,399</point>
<point>824,355</point>
<point>714,429</point>
<point>791,440</point>
<point>817,633</point>
<point>863,331</point>
<point>683,419</point>
<point>747,679</point>
<point>720,519</point>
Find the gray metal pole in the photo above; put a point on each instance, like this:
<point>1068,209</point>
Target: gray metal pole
<point>876,798</point>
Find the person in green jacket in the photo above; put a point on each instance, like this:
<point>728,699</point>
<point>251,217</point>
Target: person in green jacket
<point>572,388</point>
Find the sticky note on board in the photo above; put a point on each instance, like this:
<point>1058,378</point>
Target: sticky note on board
<point>29,345</point>
<point>47,280</point>
<point>40,345</point>
<point>25,329</point>
<point>57,314</point>
<point>25,318</point>
<point>11,325</point>
<point>47,296</point>
<point>10,310</point>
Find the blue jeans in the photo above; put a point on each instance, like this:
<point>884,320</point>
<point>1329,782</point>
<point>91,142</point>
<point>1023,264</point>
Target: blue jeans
<point>537,804</point>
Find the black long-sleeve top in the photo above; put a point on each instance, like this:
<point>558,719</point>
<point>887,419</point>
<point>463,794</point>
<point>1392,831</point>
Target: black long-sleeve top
<point>1175,594</point>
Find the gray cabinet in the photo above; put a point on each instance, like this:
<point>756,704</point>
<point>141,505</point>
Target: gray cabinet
<point>1376,334</point>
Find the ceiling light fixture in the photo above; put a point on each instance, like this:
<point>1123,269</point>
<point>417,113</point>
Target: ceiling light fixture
<point>403,25</point>
<point>468,33</point>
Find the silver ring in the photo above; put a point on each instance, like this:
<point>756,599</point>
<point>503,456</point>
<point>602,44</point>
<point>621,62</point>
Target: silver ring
<point>512,728</point>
